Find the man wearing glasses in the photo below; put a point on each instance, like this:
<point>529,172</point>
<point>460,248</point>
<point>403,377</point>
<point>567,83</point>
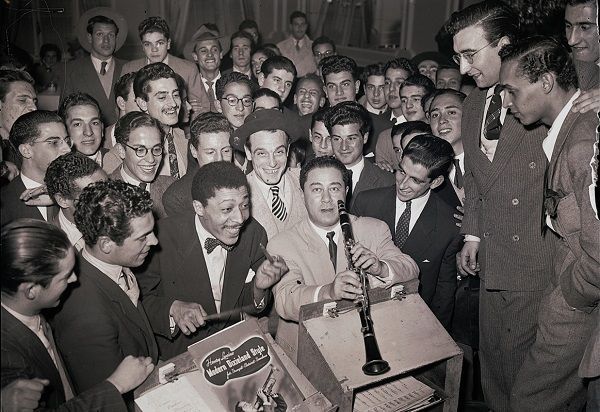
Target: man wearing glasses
<point>504,182</point>
<point>37,138</point>
<point>140,145</point>
<point>234,100</point>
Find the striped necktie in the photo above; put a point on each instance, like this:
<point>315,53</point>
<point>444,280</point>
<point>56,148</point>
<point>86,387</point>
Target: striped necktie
<point>277,205</point>
<point>172,153</point>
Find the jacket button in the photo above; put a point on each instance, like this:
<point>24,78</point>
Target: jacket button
<point>515,202</point>
<point>515,238</point>
<point>486,234</point>
<point>532,165</point>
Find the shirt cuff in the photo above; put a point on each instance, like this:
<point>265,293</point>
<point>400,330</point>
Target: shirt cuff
<point>316,294</point>
<point>172,325</point>
<point>385,282</point>
<point>471,238</point>
<point>260,305</point>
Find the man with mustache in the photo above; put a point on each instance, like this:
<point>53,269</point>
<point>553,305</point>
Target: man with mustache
<point>210,263</point>
<point>102,320</point>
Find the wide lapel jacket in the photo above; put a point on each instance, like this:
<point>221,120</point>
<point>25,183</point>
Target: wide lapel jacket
<point>12,208</point>
<point>177,271</point>
<point>371,177</point>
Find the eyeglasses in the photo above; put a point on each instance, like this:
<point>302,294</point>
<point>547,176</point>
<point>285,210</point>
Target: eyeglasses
<point>324,54</point>
<point>55,142</point>
<point>142,151</point>
<point>317,138</point>
<point>468,56</point>
<point>233,101</point>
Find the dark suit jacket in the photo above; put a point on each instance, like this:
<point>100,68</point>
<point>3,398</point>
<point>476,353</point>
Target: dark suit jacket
<point>97,326</point>
<point>503,202</point>
<point>177,271</point>
<point>379,123</point>
<point>157,189</point>
<point>371,177</point>
<point>432,243</point>
<point>446,192</point>
<point>12,208</point>
<point>25,357</point>
<point>81,76</point>
<point>178,196</point>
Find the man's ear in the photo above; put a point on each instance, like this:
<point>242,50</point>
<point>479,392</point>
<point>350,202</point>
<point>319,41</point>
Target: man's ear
<point>89,38</point>
<point>261,79</point>
<point>105,244</point>
<point>366,138</point>
<point>120,150</point>
<point>195,57</point>
<point>248,152</point>
<point>322,101</point>
<point>218,105</point>
<point>120,103</point>
<point>29,289</point>
<point>168,44</point>
<point>437,182</point>
<point>61,201</point>
<point>548,81</point>
<point>193,151</point>
<point>198,207</point>
<point>357,86</point>
<point>25,150</point>
<point>503,41</point>
<point>142,104</point>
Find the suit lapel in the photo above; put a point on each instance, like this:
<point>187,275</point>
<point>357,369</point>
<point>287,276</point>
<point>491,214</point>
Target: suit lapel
<point>418,240</point>
<point>560,142</point>
<point>320,254</point>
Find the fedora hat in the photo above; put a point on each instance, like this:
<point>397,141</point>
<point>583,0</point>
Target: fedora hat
<point>203,33</point>
<point>266,119</point>
<point>106,12</point>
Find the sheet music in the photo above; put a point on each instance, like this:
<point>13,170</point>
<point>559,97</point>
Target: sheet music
<point>176,396</point>
<point>400,395</point>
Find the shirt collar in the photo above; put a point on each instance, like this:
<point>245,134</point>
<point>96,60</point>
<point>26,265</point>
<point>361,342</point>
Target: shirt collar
<point>357,169</point>
<point>110,270</point>
<point>214,81</point>
<point>165,60</point>
<point>373,110</point>
<point>265,189</point>
<point>69,228</point>
<point>550,140</point>
<point>418,203</point>
<point>34,323</point>
<point>127,178</point>
<point>29,183</point>
<point>322,233</point>
<point>397,119</point>
<point>202,233</point>
<point>248,73</point>
<point>98,63</point>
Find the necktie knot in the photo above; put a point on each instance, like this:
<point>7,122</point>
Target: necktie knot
<point>103,68</point>
<point>277,205</point>
<point>211,243</point>
<point>172,155</point>
<point>330,235</point>
<point>143,185</point>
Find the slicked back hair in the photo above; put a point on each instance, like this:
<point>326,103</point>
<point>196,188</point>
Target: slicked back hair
<point>27,127</point>
<point>31,251</point>
<point>495,17</point>
<point>431,152</point>
<point>77,99</point>
<point>133,120</point>
<point>100,20</point>
<point>415,126</point>
<point>123,84</point>
<point>401,63</point>
<point>8,76</point>
<point>154,24</point>
<point>377,69</point>
<point>323,40</point>
<point>324,162</point>
<point>214,176</point>
<point>346,113</point>
<point>106,209</point>
<point>278,62</point>
<point>64,170</point>
<point>338,64</point>
<point>319,116</point>
<point>208,122</point>
<point>537,55</point>
<point>232,77</point>
<point>151,72</point>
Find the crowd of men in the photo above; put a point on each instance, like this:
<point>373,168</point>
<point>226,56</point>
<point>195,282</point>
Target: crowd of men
<point>135,218</point>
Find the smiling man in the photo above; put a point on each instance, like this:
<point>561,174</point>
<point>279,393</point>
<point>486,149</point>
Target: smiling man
<point>103,321</point>
<point>413,93</point>
<point>276,197</point>
<point>82,116</point>
<point>540,85</point>
<point>209,142</point>
<point>157,94</point>
<point>155,37</point>
<point>315,253</point>
<point>210,263</point>
<point>139,144</point>
<point>504,181</point>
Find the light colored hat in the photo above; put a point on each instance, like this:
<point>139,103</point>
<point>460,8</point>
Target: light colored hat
<point>203,33</point>
<point>106,12</point>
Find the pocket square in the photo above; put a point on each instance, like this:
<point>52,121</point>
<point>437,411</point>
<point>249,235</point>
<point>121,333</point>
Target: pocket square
<point>426,261</point>
<point>249,276</point>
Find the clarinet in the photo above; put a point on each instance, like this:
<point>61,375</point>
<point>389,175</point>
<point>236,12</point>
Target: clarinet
<point>374,364</point>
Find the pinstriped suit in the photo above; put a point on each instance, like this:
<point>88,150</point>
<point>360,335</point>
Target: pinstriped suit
<point>503,207</point>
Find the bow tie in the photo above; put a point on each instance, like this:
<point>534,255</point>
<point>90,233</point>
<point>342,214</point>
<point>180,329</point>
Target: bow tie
<point>211,243</point>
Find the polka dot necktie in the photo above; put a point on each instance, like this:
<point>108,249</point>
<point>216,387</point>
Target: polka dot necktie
<point>402,227</point>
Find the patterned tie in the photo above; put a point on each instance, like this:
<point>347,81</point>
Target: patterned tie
<point>143,185</point>
<point>402,227</point>
<point>103,68</point>
<point>211,243</point>
<point>458,176</point>
<point>173,166</point>
<point>277,205</point>
<point>493,126</point>
<point>332,250</point>
<point>211,96</point>
<point>128,284</point>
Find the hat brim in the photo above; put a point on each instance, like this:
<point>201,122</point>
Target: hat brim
<point>270,119</point>
<point>82,34</point>
<point>189,47</point>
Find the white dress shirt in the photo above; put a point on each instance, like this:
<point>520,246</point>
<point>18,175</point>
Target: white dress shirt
<point>416,208</point>
<point>489,146</point>
<point>215,263</point>
<point>74,235</point>
<point>397,119</point>
<point>285,191</point>
<point>98,63</point>
<point>373,110</point>
<point>461,163</point>
<point>356,172</point>
<point>127,178</point>
<point>32,184</point>
<point>213,86</point>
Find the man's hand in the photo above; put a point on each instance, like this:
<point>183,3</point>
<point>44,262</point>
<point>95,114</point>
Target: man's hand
<point>36,197</point>
<point>197,108</point>
<point>346,285</point>
<point>130,373</point>
<point>189,316</point>
<point>468,259</point>
<point>385,165</point>
<point>364,259</point>
<point>9,170</point>
<point>269,273</point>
<point>23,395</point>
<point>588,100</point>
<point>459,216</point>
